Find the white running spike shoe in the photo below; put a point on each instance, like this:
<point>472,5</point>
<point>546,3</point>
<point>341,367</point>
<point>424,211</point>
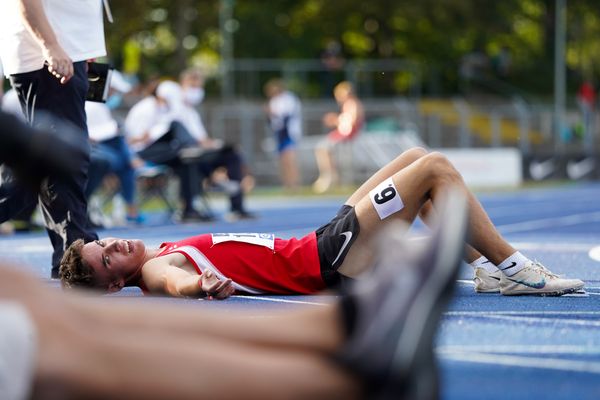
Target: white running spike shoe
<point>535,279</point>
<point>487,282</point>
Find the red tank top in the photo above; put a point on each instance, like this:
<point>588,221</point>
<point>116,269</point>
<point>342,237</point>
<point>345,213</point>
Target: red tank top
<point>256,263</point>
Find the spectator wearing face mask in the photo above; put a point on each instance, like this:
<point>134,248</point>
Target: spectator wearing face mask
<point>154,131</point>
<point>215,155</point>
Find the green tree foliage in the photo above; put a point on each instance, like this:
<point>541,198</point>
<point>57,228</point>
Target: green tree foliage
<point>163,36</point>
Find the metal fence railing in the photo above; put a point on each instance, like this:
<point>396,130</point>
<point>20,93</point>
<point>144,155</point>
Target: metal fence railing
<point>311,79</point>
<point>439,123</point>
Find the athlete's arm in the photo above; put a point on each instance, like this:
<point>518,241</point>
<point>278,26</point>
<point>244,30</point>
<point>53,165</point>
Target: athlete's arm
<point>34,18</point>
<point>180,283</point>
<point>349,117</point>
<point>163,275</point>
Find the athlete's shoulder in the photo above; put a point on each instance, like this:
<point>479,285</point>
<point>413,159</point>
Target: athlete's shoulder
<point>155,270</point>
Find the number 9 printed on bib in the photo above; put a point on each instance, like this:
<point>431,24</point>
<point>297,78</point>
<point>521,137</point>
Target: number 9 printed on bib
<point>386,199</point>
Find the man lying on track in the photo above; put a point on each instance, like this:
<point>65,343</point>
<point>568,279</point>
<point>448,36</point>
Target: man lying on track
<point>221,264</point>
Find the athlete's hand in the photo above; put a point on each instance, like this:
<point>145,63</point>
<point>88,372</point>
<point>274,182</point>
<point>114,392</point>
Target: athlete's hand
<point>214,287</point>
<point>59,63</point>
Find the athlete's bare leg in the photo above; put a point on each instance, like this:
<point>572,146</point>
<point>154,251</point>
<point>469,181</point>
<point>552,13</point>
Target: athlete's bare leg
<point>289,169</point>
<point>327,170</point>
<point>427,213</point>
<point>137,363</point>
<point>418,182</point>
<point>314,328</point>
<point>394,166</point>
<point>139,350</point>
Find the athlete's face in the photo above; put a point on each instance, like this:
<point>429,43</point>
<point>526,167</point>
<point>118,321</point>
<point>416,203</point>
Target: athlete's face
<point>114,261</point>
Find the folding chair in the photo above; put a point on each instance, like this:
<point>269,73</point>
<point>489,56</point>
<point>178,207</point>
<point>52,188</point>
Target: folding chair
<point>153,183</point>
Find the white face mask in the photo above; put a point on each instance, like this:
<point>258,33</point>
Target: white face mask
<point>194,95</point>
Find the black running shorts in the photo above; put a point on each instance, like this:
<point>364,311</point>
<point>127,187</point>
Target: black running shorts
<point>334,239</point>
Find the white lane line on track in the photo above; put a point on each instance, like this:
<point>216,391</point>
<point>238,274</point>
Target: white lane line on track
<point>522,349</point>
<point>276,300</point>
<point>553,247</point>
<point>509,313</point>
<point>585,294</point>
<point>523,362</point>
<point>554,222</point>
<point>540,321</point>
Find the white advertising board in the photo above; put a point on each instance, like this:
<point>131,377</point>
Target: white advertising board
<point>487,168</point>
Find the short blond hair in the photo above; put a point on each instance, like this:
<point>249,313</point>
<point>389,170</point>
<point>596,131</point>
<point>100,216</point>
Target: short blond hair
<point>343,88</point>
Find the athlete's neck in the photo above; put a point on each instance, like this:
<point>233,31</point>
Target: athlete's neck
<point>136,277</point>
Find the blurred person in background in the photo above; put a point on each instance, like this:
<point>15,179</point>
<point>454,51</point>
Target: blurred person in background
<point>285,117</point>
<point>215,156</point>
<point>586,100</point>
<point>154,132</point>
<point>346,125</point>
<point>110,152</point>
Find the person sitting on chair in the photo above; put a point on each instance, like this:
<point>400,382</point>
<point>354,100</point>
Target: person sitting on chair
<point>155,130</point>
<point>215,154</point>
<point>158,138</point>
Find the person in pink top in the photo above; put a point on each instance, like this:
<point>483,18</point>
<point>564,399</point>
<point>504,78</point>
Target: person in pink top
<point>346,125</point>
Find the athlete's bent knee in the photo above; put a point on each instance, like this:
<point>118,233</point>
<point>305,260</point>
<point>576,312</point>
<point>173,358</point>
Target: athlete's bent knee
<point>415,153</point>
<point>438,166</point>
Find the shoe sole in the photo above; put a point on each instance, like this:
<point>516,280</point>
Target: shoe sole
<point>545,294</point>
<point>487,291</point>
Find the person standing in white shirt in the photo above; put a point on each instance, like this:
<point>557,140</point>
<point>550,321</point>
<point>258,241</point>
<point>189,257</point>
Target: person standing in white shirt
<point>44,46</point>
<point>285,117</point>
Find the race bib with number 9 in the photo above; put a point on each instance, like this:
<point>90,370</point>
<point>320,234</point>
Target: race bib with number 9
<point>385,199</point>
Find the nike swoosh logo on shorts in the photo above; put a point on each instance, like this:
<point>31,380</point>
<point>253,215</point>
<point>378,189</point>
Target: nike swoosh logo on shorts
<point>348,236</point>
